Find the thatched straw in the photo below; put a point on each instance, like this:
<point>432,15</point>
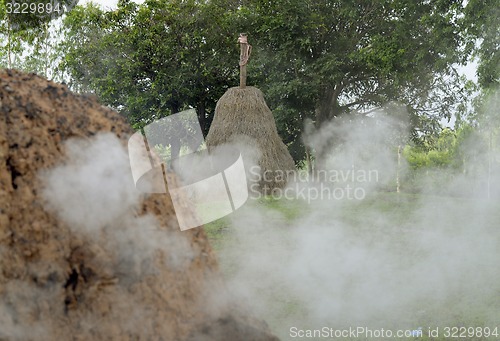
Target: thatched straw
<point>243,115</point>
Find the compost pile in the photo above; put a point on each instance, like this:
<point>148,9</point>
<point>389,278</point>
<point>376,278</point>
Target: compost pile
<point>68,273</point>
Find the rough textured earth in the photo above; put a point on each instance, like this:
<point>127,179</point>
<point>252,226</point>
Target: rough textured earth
<point>58,284</point>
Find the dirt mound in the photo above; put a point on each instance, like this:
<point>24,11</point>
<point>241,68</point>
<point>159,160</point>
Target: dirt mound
<point>93,264</point>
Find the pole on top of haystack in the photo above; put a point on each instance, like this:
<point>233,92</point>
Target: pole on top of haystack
<point>242,118</point>
<point>245,49</point>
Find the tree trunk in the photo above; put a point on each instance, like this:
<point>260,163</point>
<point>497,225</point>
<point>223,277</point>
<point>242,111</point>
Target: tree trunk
<point>309,161</point>
<point>489,163</point>
<point>397,170</point>
<point>202,117</point>
<point>175,140</point>
<point>327,109</point>
<point>46,50</point>
<point>9,40</point>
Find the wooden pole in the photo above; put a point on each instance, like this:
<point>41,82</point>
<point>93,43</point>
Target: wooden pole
<point>397,169</point>
<point>243,76</point>
<point>245,49</point>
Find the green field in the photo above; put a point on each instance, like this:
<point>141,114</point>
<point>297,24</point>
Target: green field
<point>446,243</point>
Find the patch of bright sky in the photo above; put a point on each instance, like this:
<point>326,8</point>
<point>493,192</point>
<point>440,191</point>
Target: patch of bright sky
<point>106,4</point>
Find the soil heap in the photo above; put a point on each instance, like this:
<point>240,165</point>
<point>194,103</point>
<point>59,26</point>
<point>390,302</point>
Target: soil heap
<point>59,282</point>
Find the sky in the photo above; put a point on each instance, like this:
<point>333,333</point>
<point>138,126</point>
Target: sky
<point>107,3</point>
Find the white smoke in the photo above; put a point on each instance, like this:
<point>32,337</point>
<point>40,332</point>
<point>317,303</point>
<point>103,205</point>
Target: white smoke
<point>336,265</point>
<point>93,193</point>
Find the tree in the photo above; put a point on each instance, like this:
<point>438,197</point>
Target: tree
<point>30,39</point>
<point>313,59</point>
<point>153,59</point>
<point>322,59</point>
<point>482,23</point>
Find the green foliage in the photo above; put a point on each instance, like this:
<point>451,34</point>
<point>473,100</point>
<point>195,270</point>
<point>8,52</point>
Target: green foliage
<point>415,157</point>
<point>24,15</point>
<point>313,59</point>
<point>482,23</point>
<point>322,59</point>
<point>469,150</point>
<point>438,152</point>
<point>29,41</point>
<point>153,59</point>
<point>439,158</point>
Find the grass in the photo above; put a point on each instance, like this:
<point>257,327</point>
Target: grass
<point>216,232</point>
<point>398,209</point>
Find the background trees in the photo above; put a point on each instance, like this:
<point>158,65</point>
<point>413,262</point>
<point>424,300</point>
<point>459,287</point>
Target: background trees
<point>30,35</point>
<point>314,60</point>
<point>152,60</point>
<point>323,59</point>
<point>482,24</point>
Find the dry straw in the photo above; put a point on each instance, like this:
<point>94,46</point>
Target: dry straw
<point>242,114</point>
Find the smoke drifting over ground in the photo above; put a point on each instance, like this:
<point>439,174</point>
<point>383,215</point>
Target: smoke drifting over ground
<point>387,260</point>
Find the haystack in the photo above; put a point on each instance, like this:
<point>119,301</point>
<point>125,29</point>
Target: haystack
<point>242,114</point>
<point>61,279</point>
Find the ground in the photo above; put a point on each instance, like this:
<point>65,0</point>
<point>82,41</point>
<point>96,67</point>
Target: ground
<point>448,243</point>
